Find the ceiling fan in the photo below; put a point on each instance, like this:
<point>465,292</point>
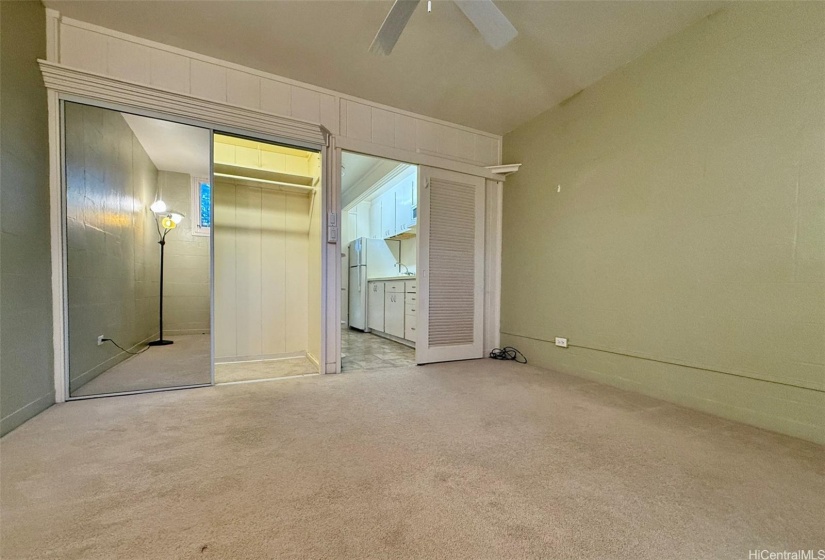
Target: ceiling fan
<point>483,14</point>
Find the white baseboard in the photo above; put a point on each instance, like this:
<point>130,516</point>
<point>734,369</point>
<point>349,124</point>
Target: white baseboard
<point>259,358</point>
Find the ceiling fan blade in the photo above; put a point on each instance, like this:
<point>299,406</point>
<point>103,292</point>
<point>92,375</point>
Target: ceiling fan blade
<point>393,25</point>
<point>490,22</point>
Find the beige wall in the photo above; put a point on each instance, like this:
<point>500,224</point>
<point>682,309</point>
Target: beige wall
<point>261,272</point>
<point>186,296</point>
<point>26,359</point>
<point>112,251</point>
<point>409,254</point>
<point>684,256</point>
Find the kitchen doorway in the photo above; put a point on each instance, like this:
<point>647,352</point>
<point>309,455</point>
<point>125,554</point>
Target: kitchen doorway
<point>378,262</point>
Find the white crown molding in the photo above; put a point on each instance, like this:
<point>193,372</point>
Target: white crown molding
<point>66,80</point>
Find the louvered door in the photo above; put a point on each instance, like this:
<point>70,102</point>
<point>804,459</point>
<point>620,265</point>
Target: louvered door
<point>450,266</point>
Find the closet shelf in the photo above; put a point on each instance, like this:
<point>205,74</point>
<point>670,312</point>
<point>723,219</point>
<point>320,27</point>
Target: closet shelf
<point>227,169</point>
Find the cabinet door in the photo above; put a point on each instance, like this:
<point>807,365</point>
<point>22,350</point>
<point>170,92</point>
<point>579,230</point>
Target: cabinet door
<point>363,220</point>
<point>375,306</point>
<point>375,219</point>
<point>387,214</point>
<point>403,205</point>
<point>394,314</point>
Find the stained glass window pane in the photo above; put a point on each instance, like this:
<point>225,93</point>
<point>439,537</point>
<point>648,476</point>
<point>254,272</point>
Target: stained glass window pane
<point>205,217</point>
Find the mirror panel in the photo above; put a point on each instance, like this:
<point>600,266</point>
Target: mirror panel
<point>135,191</point>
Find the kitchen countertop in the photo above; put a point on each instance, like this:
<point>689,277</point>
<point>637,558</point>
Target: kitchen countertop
<point>390,278</point>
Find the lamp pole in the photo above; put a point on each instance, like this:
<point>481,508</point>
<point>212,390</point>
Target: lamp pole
<point>160,341</point>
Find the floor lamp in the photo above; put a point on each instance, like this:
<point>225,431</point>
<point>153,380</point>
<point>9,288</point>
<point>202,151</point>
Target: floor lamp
<point>166,220</point>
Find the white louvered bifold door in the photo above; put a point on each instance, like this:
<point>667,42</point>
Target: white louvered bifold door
<point>450,266</point>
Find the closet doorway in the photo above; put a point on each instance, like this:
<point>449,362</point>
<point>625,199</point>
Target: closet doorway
<point>192,257</point>
<point>267,260</point>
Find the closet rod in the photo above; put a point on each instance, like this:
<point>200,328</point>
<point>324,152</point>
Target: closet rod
<point>266,181</point>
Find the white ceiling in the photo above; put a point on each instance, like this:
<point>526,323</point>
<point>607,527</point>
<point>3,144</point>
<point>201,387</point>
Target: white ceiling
<point>440,67</point>
<point>172,146</point>
<point>355,166</point>
<point>360,174</point>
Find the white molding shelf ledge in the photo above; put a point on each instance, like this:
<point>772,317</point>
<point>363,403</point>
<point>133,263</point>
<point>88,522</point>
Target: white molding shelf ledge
<point>67,80</point>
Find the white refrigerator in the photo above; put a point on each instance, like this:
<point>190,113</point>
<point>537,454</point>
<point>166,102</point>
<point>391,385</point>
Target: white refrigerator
<point>368,258</point>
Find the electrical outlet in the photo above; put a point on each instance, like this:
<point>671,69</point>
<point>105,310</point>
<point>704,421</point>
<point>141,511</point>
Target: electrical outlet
<point>100,340</point>
<point>561,342</point>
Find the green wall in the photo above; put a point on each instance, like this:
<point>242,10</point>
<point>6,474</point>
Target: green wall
<point>670,221</point>
<point>26,364</point>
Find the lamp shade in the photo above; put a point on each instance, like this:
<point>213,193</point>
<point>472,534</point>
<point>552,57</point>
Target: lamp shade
<point>167,222</point>
<point>176,217</point>
<point>158,206</point>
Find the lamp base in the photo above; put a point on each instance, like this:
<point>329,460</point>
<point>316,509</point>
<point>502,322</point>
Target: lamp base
<point>161,342</point>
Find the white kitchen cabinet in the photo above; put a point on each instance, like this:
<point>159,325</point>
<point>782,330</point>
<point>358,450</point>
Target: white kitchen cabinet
<point>410,323</point>
<point>410,311</point>
<point>375,306</point>
<point>375,220</point>
<point>387,214</point>
<point>363,221</point>
<point>404,205</point>
<point>394,313</point>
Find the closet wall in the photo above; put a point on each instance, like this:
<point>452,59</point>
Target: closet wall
<point>186,297</point>
<point>261,269</point>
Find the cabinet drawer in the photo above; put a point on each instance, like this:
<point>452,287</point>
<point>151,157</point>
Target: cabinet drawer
<point>409,332</point>
<point>411,287</point>
<point>410,298</point>
<point>411,320</point>
<point>410,308</point>
<point>394,287</point>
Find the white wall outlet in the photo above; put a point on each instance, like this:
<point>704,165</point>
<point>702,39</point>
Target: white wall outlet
<point>561,342</point>
<point>100,340</point>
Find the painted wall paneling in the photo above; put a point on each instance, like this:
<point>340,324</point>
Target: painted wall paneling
<point>110,53</point>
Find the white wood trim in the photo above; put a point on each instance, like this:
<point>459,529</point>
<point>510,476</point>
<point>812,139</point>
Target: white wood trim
<point>492,264</point>
<point>52,35</point>
<point>331,269</point>
<point>261,74</point>
<point>93,86</point>
<point>57,225</point>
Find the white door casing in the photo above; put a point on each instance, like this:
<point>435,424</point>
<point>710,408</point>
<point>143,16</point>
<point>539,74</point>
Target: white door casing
<point>450,266</point>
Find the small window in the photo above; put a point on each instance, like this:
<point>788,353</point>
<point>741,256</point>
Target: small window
<point>202,206</point>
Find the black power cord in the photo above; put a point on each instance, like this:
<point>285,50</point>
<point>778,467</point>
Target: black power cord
<point>122,348</point>
<point>508,353</point>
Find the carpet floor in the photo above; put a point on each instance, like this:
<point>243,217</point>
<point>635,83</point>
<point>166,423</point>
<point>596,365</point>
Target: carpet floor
<point>186,362</point>
<point>477,459</point>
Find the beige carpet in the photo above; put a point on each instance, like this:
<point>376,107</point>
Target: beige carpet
<point>186,362</point>
<point>263,369</point>
<point>467,460</point>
